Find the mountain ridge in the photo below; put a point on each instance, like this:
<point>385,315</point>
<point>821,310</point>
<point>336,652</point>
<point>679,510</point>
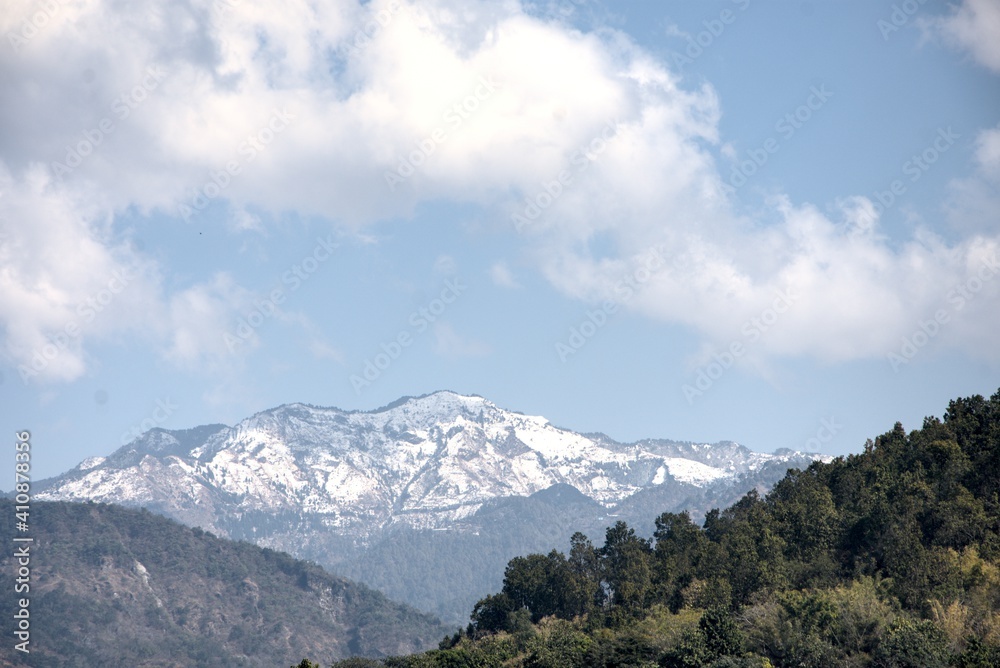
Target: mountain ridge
<point>115,586</point>
<point>327,484</point>
<point>400,458</point>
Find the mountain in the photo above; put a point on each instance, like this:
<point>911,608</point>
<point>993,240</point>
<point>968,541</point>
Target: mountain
<point>339,487</point>
<point>113,586</point>
<point>889,558</point>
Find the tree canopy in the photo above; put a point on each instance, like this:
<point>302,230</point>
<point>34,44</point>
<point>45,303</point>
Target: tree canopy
<point>889,557</point>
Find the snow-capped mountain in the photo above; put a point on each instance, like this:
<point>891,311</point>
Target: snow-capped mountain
<point>425,499</point>
<point>425,462</point>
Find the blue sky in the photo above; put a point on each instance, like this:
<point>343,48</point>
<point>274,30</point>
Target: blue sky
<point>775,223</point>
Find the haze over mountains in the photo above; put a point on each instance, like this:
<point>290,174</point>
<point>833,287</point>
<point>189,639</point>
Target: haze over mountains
<point>433,489</point>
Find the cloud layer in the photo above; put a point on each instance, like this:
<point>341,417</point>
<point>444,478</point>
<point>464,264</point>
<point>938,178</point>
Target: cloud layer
<point>581,143</point>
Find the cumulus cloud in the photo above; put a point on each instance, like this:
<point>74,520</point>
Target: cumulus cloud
<point>63,277</point>
<point>580,142</point>
<point>309,109</point>
<point>201,315</point>
<point>69,277</point>
<point>974,26</point>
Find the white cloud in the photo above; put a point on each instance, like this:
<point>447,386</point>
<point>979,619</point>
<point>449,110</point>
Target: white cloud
<point>479,86</point>
<point>502,277</point>
<point>63,279</point>
<point>988,153</point>
<point>974,203</point>
<point>321,350</point>
<point>478,102</point>
<point>973,25</point>
<point>674,30</point>
<point>242,220</point>
<point>853,295</point>
<point>200,318</point>
<point>69,278</point>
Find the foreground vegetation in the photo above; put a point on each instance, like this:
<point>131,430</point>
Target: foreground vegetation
<point>888,558</point>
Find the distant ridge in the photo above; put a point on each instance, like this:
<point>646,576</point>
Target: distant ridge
<point>328,484</point>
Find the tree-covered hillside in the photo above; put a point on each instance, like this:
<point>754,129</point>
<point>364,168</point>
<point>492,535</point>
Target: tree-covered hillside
<point>887,558</point>
<point>112,586</point>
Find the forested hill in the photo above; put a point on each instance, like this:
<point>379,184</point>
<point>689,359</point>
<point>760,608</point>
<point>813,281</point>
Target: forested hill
<point>886,558</point>
<point>112,586</point>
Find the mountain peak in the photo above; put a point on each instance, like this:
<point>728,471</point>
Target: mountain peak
<point>323,481</point>
<point>425,461</point>
<point>442,402</point>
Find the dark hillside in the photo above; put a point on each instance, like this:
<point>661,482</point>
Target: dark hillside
<point>112,586</point>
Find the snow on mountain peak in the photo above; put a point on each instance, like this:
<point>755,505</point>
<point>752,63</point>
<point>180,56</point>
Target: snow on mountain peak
<point>89,463</point>
<point>424,461</point>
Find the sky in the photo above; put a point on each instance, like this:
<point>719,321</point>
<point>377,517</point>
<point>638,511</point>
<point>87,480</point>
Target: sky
<point>770,222</point>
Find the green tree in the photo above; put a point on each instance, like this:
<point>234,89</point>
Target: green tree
<point>625,558</point>
<point>355,662</point>
<point>723,636</point>
<point>978,654</point>
<point>491,613</point>
<point>913,645</point>
<point>585,565</point>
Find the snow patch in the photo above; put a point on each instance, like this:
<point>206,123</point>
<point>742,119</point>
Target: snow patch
<point>89,463</point>
<point>692,472</point>
<point>423,462</point>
